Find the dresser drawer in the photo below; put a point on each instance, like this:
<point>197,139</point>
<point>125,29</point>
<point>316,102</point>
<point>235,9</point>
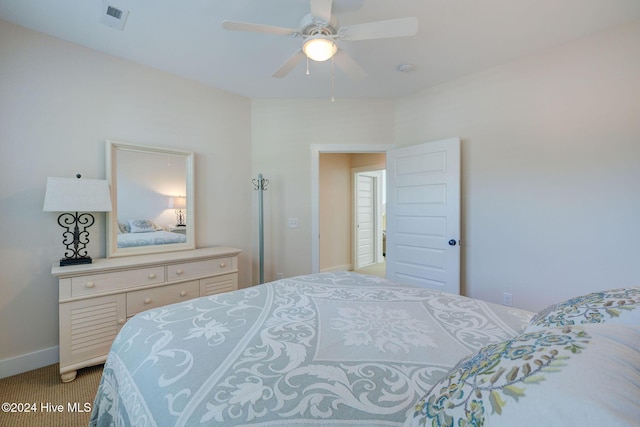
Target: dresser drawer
<point>208,267</point>
<point>145,299</point>
<point>104,282</point>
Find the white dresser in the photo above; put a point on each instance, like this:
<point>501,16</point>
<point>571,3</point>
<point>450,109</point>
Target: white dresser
<point>97,299</point>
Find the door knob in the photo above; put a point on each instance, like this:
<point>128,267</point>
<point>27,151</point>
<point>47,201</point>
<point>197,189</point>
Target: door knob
<point>452,242</point>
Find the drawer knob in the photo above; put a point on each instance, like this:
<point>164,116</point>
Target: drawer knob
<point>90,285</point>
<point>147,301</point>
<point>121,322</point>
<point>152,275</point>
<point>223,265</point>
<point>183,293</point>
<point>179,271</point>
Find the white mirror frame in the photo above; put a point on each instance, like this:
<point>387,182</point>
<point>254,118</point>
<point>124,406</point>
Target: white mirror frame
<point>112,148</point>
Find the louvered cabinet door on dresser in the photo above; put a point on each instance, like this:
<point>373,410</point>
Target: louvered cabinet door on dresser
<point>97,299</point>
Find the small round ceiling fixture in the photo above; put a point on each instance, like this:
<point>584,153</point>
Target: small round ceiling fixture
<point>406,68</point>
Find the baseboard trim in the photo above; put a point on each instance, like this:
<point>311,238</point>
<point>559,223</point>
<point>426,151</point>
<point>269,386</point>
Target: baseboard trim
<point>29,362</point>
<point>346,267</point>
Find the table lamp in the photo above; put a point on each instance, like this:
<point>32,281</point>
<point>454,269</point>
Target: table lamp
<point>80,196</point>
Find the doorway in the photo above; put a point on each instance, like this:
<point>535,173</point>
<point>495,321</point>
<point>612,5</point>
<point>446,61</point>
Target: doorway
<point>368,220</point>
<point>316,150</point>
<point>411,233</point>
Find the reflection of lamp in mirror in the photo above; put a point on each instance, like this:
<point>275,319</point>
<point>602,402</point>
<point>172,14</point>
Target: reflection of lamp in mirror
<point>76,195</point>
<point>179,204</point>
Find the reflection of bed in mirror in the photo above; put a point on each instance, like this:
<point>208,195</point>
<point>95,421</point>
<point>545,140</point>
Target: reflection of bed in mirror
<point>131,240</point>
<point>134,233</point>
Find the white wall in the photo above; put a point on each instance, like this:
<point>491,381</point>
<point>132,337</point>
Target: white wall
<point>550,162</point>
<point>58,104</point>
<point>550,168</point>
<point>283,132</point>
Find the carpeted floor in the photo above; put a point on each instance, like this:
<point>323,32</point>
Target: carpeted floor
<point>374,269</point>
<point>49,401</point>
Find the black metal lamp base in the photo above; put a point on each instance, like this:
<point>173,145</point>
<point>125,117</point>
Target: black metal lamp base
<point>180,217</point>
<point>75,261</point>
<point>75,239</point>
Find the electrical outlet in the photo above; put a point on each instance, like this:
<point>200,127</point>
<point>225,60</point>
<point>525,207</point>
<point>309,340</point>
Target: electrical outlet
<point>279,276</point>
<point>507,299</point>
<point>292,223</point>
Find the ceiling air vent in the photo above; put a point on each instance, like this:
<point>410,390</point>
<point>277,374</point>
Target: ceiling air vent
<point>114,17</point>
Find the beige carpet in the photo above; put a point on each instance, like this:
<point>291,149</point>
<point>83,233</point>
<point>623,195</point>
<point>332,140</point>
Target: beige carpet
<point>379,269</point>
<point>50,401</point>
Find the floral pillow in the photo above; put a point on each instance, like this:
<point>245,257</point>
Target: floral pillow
<point>573,375</point>
<point>141,226</point>
<point>615,305</point>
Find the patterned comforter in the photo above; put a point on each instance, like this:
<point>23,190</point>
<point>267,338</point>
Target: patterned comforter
<point>130,240</point>
<point>326,349</point>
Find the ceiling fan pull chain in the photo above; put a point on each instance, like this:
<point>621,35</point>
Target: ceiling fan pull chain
<point>307,65</point>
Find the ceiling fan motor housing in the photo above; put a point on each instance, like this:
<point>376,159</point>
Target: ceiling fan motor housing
<point>311,27</point>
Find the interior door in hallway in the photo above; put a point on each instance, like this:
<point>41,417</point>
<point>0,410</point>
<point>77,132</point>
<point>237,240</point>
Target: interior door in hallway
<point>365,219</point>
<point>423,215</point>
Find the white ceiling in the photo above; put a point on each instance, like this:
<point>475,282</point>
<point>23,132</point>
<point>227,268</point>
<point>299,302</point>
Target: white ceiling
<point>455,38</point>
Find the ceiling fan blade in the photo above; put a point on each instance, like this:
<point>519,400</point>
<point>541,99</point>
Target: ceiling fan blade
<point>289,64</point>
<point>402,27</point>
<point>321,10</point>
<point>348,65</point>
<point>257,28</point>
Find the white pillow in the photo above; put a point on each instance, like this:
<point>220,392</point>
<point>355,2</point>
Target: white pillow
<point>141,226</point>
<point>586,375</point>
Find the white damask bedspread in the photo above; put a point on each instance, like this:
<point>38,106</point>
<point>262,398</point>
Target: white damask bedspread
<point>327,349</point>
<point>129,240</point>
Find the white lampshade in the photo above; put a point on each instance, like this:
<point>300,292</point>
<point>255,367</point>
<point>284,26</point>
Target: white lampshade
<point>77,195</point>
<point>319,48</point>
<point>178,202</point>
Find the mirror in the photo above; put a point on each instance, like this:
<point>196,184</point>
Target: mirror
<point>152,200</point>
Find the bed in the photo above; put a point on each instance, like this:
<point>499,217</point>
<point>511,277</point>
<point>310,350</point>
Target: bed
<point>337,349</point>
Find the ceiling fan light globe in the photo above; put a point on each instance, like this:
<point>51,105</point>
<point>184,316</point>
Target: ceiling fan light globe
<point>319,48</point>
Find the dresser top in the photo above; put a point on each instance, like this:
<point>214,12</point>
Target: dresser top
<point>102,264</point>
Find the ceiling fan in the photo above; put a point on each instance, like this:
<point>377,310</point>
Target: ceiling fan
<point>319,31</point>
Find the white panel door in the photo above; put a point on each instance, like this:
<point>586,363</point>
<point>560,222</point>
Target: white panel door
<point>365,219</point>
<point>423,215</point>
